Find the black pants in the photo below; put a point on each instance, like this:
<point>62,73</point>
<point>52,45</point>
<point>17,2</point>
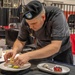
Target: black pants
<point>65,57</point>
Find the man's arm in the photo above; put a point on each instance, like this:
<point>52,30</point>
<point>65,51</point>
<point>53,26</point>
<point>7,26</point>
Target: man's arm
<point>46,51</point>
<point>18,45</point>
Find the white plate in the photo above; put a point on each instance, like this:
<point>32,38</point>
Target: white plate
<point>51,66</point>
<point>2,58</point>
<point>26,66</point>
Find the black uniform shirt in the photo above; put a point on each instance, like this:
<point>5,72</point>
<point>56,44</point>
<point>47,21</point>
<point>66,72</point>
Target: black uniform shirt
<point>55,27</point>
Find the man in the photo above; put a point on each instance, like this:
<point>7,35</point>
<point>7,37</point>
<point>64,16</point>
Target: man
<point>50,29</point>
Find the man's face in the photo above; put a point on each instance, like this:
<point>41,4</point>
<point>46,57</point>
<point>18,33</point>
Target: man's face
<point>36,23</point>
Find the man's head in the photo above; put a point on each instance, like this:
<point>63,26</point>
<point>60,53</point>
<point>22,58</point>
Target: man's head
<point>34,14</point>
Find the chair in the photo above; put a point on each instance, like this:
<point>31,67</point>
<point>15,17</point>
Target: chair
<point>10,35</point>
<point>71,20</point>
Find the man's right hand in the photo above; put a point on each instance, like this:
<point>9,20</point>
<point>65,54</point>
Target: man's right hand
<point>9,54</point>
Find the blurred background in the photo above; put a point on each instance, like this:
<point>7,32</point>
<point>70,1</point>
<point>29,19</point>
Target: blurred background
<point>11,12</point>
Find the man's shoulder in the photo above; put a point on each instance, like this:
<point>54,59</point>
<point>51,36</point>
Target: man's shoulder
<point>24,25</point>
<point>52,8</point>
<point>24,22</point>
<point>51,11</point>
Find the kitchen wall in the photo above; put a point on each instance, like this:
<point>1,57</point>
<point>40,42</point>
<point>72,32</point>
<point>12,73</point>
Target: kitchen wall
<point>26,1</point>
<point>64,1</point>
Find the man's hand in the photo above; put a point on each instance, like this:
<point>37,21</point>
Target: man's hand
<point>10,54</point>
<point>21,59</point>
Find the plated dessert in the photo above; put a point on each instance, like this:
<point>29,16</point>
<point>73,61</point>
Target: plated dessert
<point>11,64</point>
<point>53,68</point>
<point>56,68</point>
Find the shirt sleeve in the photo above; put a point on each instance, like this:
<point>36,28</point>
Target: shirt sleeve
<point>60,27</point>
<point>23,32</point>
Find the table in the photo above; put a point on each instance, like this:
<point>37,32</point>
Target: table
<point>36,71</point>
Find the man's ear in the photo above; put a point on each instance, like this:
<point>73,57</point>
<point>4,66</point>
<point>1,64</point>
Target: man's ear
<point>44,17</point>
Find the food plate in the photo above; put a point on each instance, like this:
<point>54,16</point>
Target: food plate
<point>26,66</point>
<point>50,68</point>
